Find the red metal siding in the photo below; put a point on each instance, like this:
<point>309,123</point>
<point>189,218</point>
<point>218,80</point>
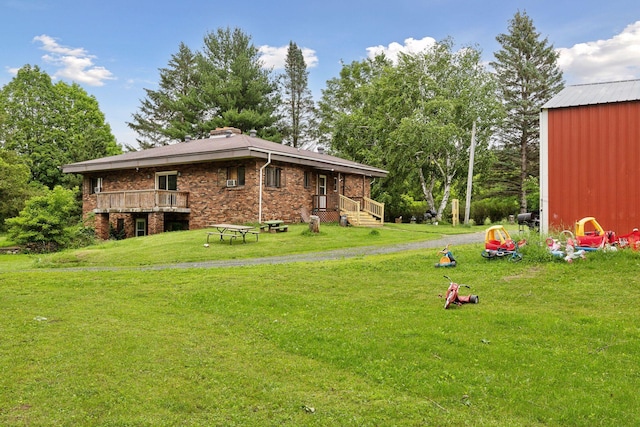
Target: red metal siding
<point>594,166</point>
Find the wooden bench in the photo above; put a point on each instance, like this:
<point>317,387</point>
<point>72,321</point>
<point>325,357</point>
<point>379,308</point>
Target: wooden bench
<point>257,233</point>
<point>280,228</point>
<point>231,236</point>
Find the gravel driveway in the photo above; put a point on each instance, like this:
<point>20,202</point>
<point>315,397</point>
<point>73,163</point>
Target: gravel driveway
<point>457,239</point>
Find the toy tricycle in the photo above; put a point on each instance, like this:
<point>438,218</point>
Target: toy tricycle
<point>452,296</point>
<point>447,259</point>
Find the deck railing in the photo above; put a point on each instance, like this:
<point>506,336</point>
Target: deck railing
<point>328,202</point>
<point>142,200</point>
<point>349,205</point>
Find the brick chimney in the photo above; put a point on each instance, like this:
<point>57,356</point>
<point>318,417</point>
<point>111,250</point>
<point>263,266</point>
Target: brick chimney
<point>225,131</point>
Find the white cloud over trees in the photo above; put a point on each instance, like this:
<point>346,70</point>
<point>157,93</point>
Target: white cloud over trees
<point>74,64</point>
<point>410,45</point>
<point>274,56</point>
<point>614,59</point>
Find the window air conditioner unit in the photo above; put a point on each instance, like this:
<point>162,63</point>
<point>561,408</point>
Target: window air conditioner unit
<point>231,183</point>
<point>97,189</point>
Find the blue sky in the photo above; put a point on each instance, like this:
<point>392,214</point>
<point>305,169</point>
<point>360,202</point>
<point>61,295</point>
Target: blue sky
<point>114,48</point>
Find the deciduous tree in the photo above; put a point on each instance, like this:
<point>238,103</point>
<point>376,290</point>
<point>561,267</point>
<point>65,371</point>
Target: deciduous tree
<point>51,125</point>
<point>414,118</point>
<point>14,185</point>
<point>450,91</point>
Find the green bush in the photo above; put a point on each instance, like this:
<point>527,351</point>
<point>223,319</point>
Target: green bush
<point>47,222</point>
<point>495,208</point>
<point>406,207</point>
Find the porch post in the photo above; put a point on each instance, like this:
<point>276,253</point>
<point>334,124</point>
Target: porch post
<point>156,222</point>
<point>102,226</point>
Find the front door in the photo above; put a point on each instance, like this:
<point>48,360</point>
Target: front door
<point>141,227</point>
<point>322,192</point>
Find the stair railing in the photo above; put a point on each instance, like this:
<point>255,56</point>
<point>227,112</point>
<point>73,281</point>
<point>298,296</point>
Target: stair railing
<point>354,208</point>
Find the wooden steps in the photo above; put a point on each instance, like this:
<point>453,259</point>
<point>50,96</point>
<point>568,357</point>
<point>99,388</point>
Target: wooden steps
<point>363,219</point>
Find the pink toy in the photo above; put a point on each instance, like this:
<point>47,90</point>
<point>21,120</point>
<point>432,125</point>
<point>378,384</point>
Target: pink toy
<point>452,296</point>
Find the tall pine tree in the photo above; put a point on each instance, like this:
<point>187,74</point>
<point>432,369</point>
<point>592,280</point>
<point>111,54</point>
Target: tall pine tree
<point>175,110</point>
<point>529,76</point>
<point>299,114</point>
<point>224,85</point>
<point>237,90</point>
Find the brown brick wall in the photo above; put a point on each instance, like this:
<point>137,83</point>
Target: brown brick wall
<point>211,201</point>
<point>357,186</point>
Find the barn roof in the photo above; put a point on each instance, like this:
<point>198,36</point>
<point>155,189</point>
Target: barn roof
<point>231,146</point>
<point>596,93</point>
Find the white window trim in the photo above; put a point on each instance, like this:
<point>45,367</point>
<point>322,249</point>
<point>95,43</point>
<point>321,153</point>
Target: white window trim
<point>164,173</point>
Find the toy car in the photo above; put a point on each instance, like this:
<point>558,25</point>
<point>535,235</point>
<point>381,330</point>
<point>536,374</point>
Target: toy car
<point>499,244</point>
<point>590,234</point>
<point>498,238</point>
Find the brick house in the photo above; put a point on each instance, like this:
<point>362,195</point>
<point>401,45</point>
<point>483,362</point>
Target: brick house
<point>230,177</point>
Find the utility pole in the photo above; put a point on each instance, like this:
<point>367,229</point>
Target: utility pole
<point>472,150</point>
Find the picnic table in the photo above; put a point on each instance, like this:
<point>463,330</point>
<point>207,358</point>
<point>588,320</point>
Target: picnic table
<point>232,231</point>
<point>274,225</point>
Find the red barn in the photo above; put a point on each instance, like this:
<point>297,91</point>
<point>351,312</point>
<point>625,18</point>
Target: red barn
<point>590,157</point>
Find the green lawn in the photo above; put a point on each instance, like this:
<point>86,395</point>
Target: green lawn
<point>354,342</point>
<point>188,246</point>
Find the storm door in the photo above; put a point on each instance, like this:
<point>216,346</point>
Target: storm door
<point>322,192</point>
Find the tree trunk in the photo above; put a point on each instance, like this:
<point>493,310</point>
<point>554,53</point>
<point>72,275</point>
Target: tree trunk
<point>523,173</point>
<point>427,191</point>
<point>314,223</point>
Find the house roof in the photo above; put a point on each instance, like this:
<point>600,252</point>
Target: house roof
<point>218,148</point>
<point>596,93</point>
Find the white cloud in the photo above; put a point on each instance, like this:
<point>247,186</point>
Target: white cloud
<point>617,58</point>
<point>73,63</point>
<point>275,56</point>
<point>392,51</point>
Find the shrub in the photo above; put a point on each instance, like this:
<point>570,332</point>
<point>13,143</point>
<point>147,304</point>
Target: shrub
<point>494,208</point>
<point>45,222</point>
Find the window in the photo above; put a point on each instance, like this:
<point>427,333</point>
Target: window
<point>167,181</point>
<point>307,179</point>
<point>95,185</point>
<point>274,177</point>
<point>236,174</point>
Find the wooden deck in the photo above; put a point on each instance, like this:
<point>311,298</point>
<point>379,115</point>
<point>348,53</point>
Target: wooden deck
<point>143,201</point>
